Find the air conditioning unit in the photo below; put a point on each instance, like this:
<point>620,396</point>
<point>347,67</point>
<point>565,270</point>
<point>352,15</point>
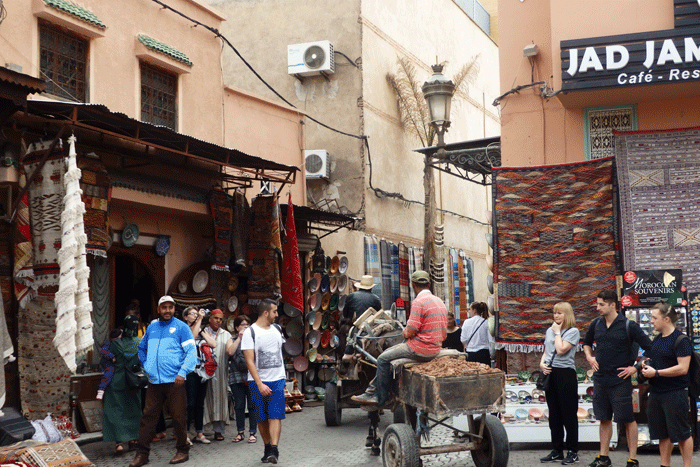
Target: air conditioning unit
<point>310,58</point>
<point>317,164</point>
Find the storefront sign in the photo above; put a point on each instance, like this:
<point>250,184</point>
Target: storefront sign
<point>647,288</point>
<point>631,59</point>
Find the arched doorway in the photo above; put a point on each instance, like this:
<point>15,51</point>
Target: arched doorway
<point>135,273</point>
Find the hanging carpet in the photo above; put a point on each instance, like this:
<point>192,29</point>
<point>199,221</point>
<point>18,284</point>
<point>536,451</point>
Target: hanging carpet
<point>239,232</point>
<point>45,206</point>
<point>23,272</point>
<point>263,261</point>
<point>222,212</point>
<point>97,195</point>
<point>404,277</point>
<point>659,184</point>
<point>555,243</point>
<point>292,288</point>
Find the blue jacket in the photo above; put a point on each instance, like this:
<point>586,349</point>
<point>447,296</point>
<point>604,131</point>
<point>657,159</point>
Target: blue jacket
<point>167,350</point>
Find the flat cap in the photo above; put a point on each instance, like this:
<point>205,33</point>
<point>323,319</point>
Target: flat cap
<point>420,277</point>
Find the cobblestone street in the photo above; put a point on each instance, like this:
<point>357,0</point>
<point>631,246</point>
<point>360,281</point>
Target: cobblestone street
<point>308,442</point>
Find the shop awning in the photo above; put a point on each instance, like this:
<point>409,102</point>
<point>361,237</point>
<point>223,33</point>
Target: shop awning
<point>316,219</point>
<point>469,160</point>
<point>143,143</point>
<point>14,87</point>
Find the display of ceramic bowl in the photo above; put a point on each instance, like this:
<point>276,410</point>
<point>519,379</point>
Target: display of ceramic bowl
<point>311,354</point>
<point>290,310</point>
<point>524,397</point>
<point>511,396</point>
<point>341,302</point>
<point>591,414</point>
<point>335,340</point>
<point>538,395</point>
<point>581,413</point>
<point>489,282</point>
<point>326,374</point>
<point>489,239</point>
<point>230,324</point>
<point>295,328</point>
<point>546,414</point>
<point>292,346</point>
<point>162,245</point>
<point>311,317</point>
<point>581,374</point>
<point>508,417</point>
<point>334,284</point>
<point>301,363</point>
<point>326,321</point>
<point>589,390</point>
<point>130,235</point>
<point>325,338</point>
<point>524,376</point>
<point>232,284</point>
<point>325,283</point>
<point>342,283</point>
<point>200,281</point>
<point>326,301</point>
<point>335,264</point>
<point>315,301</point>
<point>318,320</point>
<point>333,305</point>
<point>343,265</point>
<point>313,337</point>
<point>182,287</point>
<point>521,415</point>
<point>536,414</point>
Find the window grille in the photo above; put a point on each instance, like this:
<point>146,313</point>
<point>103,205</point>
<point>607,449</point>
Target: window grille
<point>158,96</point>
<point>63,63</point>
<point>599,125</point>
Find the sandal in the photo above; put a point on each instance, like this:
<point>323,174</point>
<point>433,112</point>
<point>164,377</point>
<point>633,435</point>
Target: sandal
<point>133,444</point>
<point>252,438</point>
<point>239,437</point>
<point>119,449</point>
<point>218,437</point>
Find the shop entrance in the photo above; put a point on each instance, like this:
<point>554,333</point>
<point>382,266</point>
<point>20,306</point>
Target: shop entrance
<point>136,273</point>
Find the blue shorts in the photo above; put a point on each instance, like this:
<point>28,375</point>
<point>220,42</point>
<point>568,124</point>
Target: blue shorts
<point>613,402</point>
<point>268,407</point>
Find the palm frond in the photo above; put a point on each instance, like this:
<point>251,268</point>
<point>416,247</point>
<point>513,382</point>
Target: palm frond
<point>465,76</point>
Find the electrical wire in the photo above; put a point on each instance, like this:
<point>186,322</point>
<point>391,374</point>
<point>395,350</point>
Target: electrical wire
<point>377,191</point>
<point>348,59</point>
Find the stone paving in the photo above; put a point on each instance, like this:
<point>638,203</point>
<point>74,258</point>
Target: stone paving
<point>307,442</point>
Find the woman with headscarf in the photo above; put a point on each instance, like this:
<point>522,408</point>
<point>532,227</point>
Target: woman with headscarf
<point>121,413</point>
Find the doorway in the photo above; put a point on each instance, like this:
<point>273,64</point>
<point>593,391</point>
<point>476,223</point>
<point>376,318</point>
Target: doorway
<point>132,282</point>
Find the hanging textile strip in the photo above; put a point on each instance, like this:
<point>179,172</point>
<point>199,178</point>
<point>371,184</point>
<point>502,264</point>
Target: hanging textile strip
<point>73,307</point>
<point>555,243</point>
<point>657,173</point>
<point>222,213</point>
<point>394,272</point>
<point>100,301</point>
<point>97,196</point>
<point>373,267</point>
<point>45,206</point>
<point>454,270</point>
<point>263,281</point>
<point>23,272</point>
<point>437,264</point>
<point>385,258</point>
<point>463,310</point>
<point>404,277</point>
<point>241,224</point>
<point>6,247</point>
<point>411,270</point>
<point>292,288</point>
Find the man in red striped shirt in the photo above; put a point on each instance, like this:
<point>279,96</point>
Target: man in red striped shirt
<point>425,330</point>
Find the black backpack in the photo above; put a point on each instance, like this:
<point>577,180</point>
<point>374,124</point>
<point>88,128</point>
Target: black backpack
<point>634,346</point>
<point>693,369</point>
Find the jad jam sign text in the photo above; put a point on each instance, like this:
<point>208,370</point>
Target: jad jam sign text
<point>632,59</point>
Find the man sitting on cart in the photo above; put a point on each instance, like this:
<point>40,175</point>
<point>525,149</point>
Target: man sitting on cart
<point>425,330</point>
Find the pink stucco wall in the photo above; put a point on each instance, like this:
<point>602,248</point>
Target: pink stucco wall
<point>538,131</point>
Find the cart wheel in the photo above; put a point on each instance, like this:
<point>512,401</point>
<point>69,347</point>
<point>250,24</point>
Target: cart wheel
<point>400,413</point>
<point>331,405</point>
<point>399,447</point>
<point>493,450</point>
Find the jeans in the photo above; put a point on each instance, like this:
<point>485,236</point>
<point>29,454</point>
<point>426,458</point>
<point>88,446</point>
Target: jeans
<point>241,395</point>
<point>382,382</point>
<point>196,392</point>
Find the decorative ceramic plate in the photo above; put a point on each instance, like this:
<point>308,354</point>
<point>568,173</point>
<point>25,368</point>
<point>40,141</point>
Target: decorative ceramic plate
<point>311,317</point>
<point>162,245</point>
<point>343,265</point>
<point>325,338</point>
<point>326,321</point>
<point>511,396</point>
<point>311,372</point>
<point>312,285</point>
<point>301,363</point>
<point>233,284</point>
<point>200,281</point>
<point>334,284</point>
<point>292,346</point>
<point>521,415</point>
<point>524,375</point>
<point>335,340</point>
<point>130,234</point>
<point>290,310</point>
<point>335,264</point>
<point>182,287</point>
<point>536,393</point>
<point>489,282</point>
<point>535,413</point>
<point>232,303</point>
<point>582,413</point>
<point>311,354</point>
<point>341,302</point>
<point>333,305</point>
<point>325,283</point>
<point>295,328</point>
<point>524,397</point>
<point>230,324</point>
<point>313,338</point>
<point>326,301</point>
<point>342,283</point>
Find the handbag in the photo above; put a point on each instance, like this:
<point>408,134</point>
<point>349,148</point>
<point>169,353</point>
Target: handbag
<point>543,381</point>
<point>136,377</point>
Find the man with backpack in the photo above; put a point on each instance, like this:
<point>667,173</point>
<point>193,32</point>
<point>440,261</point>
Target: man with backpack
<point>262,349</point>
<point>666,367</point>
<point>615,337</point>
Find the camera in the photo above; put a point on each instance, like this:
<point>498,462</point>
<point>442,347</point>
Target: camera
<point>207,312</point>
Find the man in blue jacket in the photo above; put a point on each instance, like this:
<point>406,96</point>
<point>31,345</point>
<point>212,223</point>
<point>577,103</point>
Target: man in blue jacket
<point>167,353</point>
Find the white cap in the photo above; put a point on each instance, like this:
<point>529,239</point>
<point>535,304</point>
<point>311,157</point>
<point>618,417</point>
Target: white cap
<point>166,298</point>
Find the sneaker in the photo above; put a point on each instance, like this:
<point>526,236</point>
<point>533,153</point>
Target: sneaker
<point>601,461</point>
<point>365,399</point>
<point>274,455</point>
<point>202,439</point>
<point>268,448</point>
<point>553,456</point>
<point>571,457</point>
<point>632,463</point>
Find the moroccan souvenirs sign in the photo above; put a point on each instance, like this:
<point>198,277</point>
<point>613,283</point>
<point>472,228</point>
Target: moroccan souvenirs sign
<point>647,288</point>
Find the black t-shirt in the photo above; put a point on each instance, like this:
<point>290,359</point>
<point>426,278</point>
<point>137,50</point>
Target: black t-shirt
<point>664,356</point>
<point>452,341</point>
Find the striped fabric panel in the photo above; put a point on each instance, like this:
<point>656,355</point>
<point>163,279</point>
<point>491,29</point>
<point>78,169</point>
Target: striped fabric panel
<point>385,258</point>
<point>404,276</point>
<point>394,272</point>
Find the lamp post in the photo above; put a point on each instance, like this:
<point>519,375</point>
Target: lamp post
<point>437,92</point>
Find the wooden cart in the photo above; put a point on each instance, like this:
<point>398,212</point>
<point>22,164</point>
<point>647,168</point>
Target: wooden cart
<point>429,401</point>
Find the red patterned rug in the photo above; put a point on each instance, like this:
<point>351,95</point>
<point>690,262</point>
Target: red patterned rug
<point>554,242</point>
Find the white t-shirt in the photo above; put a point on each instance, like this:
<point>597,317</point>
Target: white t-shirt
<point>481,335</point>
<point>268,352</point>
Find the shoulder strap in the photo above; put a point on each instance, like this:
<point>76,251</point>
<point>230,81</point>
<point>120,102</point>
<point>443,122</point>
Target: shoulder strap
<point>679,339</point>
<point>555,348</point>
<point>252,333</point>
<point>470,337</point>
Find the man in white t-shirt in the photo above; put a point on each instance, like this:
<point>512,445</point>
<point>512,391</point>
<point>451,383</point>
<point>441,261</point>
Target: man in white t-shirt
<point>262,348</point>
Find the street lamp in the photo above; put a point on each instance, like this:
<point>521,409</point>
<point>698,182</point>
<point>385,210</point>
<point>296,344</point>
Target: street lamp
<point>437,92</point>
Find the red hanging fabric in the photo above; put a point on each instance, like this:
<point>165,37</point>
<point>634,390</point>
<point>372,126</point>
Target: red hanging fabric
<point>292,291</point>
